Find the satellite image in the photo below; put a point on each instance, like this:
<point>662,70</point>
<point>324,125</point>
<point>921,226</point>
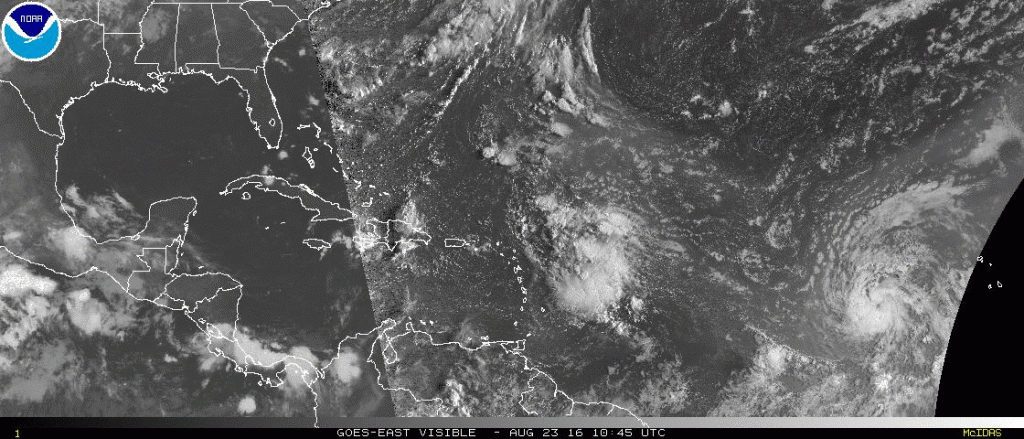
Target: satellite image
<point>478,208</point>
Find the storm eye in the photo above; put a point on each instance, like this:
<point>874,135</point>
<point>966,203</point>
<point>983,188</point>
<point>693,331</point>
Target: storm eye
<point>1010,151</point>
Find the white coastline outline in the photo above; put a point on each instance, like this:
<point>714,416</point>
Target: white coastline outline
<point>160,77</point>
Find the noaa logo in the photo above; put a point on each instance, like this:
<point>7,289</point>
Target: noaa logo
<point>31,31</point>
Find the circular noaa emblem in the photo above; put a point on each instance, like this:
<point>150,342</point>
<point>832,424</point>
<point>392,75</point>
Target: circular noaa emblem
<point>31,31</point>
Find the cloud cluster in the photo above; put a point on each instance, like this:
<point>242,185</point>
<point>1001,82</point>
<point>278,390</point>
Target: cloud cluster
<point>593,258</point>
